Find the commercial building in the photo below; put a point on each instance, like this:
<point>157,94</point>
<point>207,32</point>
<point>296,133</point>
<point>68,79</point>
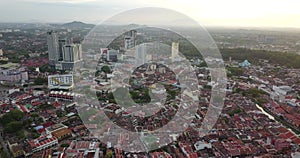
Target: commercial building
<point>13,74</point>
<point>109,55</point>
<point>64,82</point>
<point>112,55</point>
<point>43,142</point>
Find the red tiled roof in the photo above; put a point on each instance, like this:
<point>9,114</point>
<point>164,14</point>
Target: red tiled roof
<point>40,143</point>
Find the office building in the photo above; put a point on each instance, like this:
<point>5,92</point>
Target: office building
<point>42,143</point>
<point>112,55</point>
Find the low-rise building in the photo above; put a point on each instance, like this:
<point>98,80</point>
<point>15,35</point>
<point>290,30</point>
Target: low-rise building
<point>62,133</point>
<point>43,142</point>
<point>16,150</point>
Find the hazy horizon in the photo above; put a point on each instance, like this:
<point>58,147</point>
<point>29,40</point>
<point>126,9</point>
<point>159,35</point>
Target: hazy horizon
<point>214,13</point>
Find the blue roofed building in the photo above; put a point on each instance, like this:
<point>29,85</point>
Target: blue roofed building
<point>245,63</point>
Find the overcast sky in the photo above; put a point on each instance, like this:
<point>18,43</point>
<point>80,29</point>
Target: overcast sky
<point>266,13</point>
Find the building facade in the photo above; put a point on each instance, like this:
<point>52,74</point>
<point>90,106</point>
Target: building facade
<point>64,82</point>
<point>53,47</point>
<point>175,51</point>
<point>13,75</point>
<point>63,55</point>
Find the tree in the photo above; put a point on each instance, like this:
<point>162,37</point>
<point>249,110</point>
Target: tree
<point>21,134</point>
<point>14,115</point>
<point>278,58</point>
<point>105,69</point>
<point>45,68</point>
<point>109,154</point>
<point>234,71</point>
<point>65,145</point>
<point>13,126</point>
<point>40,81</point>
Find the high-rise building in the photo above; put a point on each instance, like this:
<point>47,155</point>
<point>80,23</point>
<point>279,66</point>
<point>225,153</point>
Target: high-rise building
<point>53,47</point>
<point>175,51</point>
<point>62,54</point>
<point>72,56</point>
<point>61,44</point>
<point>140,54</point>
<point>72,52</point>
<point>130,40</point>
<point>133,36</point>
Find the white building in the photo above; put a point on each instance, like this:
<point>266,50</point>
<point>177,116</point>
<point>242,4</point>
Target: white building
<point>43,142</point>
<point>282,90</point>
<point>175,51</point>
<point>13,75</point>
<point>60,81</point>
<point>200,145</point>
<point>140,54</point>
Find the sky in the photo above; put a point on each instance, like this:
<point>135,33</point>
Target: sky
<point>232,13</point>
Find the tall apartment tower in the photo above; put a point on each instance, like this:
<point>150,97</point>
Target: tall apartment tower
<point>72,52</point>
<point>175,51</point>
<point>72,56</point>
<point>140,54</point>
<point>130,39</point>
<point>53,48</point>
<point>61,44</point>
<point>133,36</point>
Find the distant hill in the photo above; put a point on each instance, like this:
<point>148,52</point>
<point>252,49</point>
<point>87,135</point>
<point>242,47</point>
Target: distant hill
<point>77,24</point>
